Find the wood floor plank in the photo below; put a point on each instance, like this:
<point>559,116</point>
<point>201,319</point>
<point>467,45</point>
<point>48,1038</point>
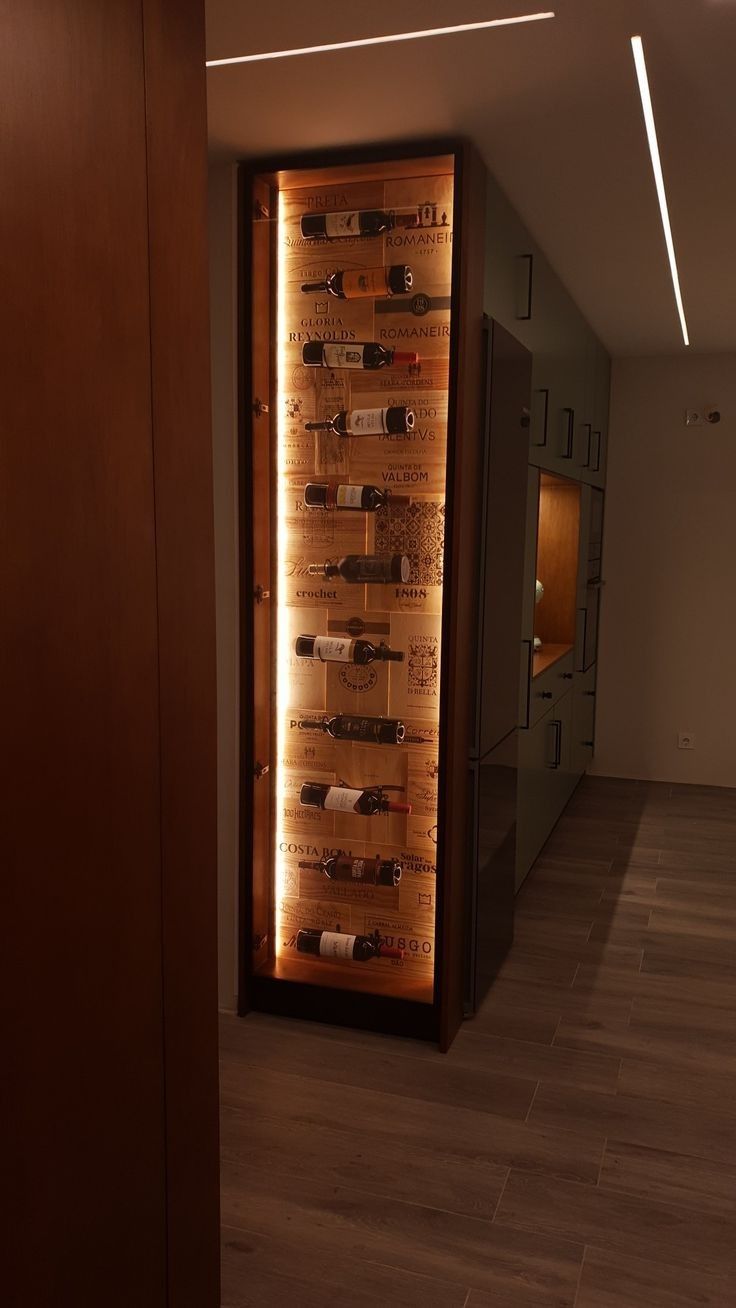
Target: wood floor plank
<point>598,1071</point>
<point>618,1223</point>
<point>610,982</point>
<point>716,926</point>
<point>339,1157</point>
<point>709,1133</point>
<point>562,1001</point>
<point>673,1045</point>
<point>270,1272</point>
<point>515,1021</point>
<point>669,1177</point>
<point>387,1121</point>
<point>694,959</point>
<point>612,1280</point>
<point>446,1081</point>
<point>522,1270</point>
<point>702,1087</point>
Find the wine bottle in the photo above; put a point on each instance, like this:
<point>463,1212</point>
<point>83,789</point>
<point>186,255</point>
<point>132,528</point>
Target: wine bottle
<point>345,799</point>
<point>365,569</point>
<point>348,284</point>
<point>354,222</point>
<point>320,495</point>
<point>350,726</point>
<point>366,871</point>
<point>355,354</point>
<point>338,649</point>
<point>335,944</point>
<point>397,420</point>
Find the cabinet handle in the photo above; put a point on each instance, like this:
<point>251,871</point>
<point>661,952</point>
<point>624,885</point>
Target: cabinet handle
<point>589,692</point>
<point>588,743</point>
<point>567,676</point>
<point>543,393</point>
<point>529,647</point>
<point>596,462</point>
<point>524,269</point>
<point>589,428</point>
<point>545,694</point>
<point>582,637</point>
<point>568,432</point>
<point>596,585</point>
<point>556,725</point>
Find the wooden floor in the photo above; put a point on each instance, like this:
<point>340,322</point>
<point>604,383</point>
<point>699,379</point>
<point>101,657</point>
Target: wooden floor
<point>577,1146</point>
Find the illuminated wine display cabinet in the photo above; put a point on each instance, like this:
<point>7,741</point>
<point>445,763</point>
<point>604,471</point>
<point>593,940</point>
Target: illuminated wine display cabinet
<point>357,298</point>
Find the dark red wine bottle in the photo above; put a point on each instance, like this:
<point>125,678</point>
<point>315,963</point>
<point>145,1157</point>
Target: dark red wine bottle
<point>365,569</point>
<point>361,871</point>
<point>344,799</point>
<point>354,222</point>
<point>341,946</point>
<point>350,726</point>
<point>397,420</point>
<point>340,649</point>
<point>322,495</point>
<point>355,354</point>
<point>364,283</point>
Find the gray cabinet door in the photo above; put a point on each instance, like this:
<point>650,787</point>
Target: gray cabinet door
<point>546,780</point>
<point>583,720</point>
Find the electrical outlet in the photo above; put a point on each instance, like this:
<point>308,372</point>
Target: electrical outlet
<point>686,740</point>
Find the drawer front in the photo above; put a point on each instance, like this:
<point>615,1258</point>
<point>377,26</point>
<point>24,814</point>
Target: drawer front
<point>549,686</point>
<point>545,781</point>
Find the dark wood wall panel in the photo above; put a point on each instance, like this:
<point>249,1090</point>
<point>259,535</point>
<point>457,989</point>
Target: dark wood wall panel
<point>177,195</point>
<point>82,1049</point>
<point>462,614</point>
<point>107,779</point>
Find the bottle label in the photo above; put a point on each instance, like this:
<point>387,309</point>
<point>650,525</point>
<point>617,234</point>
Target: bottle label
<point>333,944</point>
<point>342,798</point>
<point>366,282</point>
<point>342,224</point>
<point>370,569</point>
<point>349,497</point>
<point>358,872</point>
<point>332,649</point>
<point>339,355</point>
<point>367,422</point>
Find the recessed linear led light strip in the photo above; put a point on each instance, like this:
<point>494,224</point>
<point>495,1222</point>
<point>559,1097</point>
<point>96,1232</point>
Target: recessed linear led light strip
<point>380,40</point>
<point>646,104</point>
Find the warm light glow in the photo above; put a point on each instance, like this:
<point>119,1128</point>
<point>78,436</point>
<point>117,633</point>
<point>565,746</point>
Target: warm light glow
<point>646,104</point>
<point>380,40</point>
<point>283,690</point>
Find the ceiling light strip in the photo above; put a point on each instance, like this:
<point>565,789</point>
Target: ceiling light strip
<point>646,104</point>
<point>380,40</point>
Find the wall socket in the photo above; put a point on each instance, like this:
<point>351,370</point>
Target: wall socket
<point>686,740</point>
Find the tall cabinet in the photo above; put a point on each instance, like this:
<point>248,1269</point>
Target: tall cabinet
<point>563,539</point>
<point>362,462</point>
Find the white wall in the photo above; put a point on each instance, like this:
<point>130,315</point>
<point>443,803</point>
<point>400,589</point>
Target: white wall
<point>667,656</point>
<point>223,320</point>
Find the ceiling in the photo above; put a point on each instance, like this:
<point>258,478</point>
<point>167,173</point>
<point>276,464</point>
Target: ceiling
<point>553,107</point>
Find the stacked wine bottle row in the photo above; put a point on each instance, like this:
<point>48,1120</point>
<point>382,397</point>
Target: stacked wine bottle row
<point>355,569</point>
